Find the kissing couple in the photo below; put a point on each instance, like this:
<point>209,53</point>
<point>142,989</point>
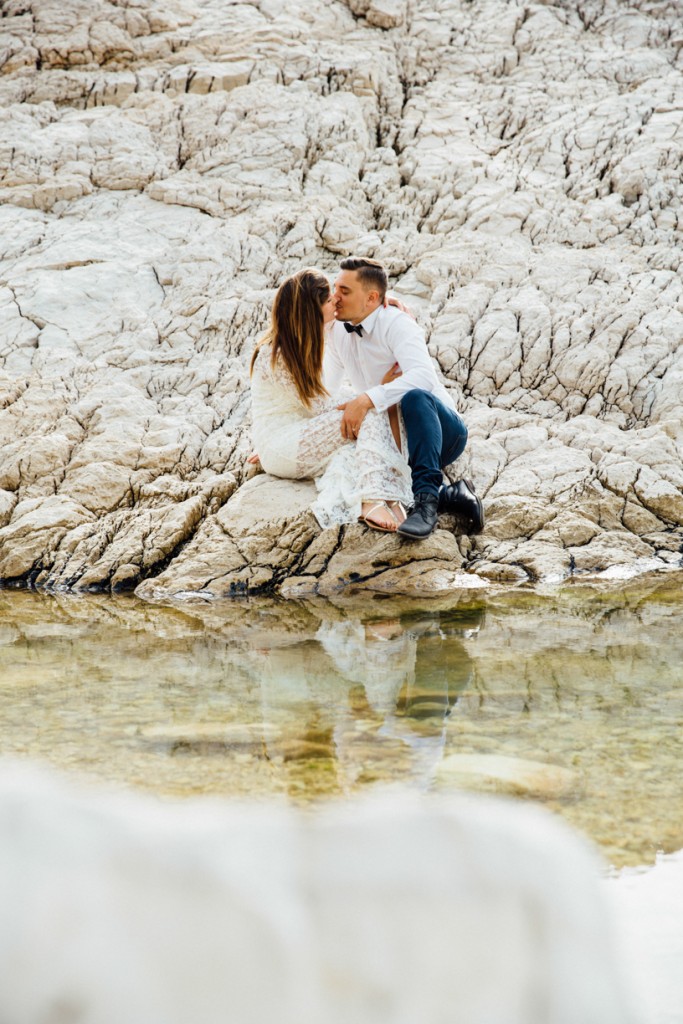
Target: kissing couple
<point>376,451</point>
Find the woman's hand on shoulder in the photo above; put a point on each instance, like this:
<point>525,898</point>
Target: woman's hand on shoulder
<point>391,300</point>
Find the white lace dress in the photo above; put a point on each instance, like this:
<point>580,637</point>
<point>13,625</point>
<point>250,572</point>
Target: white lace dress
<point>300,443</point>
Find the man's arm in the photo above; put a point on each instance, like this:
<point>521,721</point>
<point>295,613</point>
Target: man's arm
<point>355,411</point>
<point>334,373</point>
<point>407,342</point>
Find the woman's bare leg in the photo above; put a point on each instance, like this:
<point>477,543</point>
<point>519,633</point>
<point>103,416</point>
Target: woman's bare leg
<point>395,429</point>
<point>383,471</point>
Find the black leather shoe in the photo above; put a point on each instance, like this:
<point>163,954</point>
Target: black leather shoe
<point>459,499</point>
<point>422,518</point>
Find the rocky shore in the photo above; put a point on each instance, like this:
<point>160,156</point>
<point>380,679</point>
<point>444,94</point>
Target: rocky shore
<point>163,166</point>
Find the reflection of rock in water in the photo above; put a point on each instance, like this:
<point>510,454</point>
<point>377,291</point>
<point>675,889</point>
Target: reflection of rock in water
<point>209,698</point>
<point>126,910</point>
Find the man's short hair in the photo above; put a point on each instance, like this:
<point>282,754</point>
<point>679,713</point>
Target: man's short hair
<point>370,272</point>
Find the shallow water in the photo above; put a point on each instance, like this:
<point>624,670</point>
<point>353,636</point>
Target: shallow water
<point>571,697</point>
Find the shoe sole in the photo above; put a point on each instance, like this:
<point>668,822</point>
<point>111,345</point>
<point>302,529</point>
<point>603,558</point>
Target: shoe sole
<point>415,536</point>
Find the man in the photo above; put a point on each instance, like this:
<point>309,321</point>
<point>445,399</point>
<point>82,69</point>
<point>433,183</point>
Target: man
<point>365,342</point>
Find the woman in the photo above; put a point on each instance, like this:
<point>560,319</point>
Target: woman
<point>297,425</point>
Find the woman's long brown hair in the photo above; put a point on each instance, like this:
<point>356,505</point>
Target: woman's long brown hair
<point>296,331</point>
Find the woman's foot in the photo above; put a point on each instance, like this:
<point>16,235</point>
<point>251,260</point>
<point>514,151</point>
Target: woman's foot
<point>378,515</point>
<point>398,511</point>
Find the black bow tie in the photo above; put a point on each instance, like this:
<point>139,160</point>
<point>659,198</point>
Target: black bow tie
<point>354,329</point>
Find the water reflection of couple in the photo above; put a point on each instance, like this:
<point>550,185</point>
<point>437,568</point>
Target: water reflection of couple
<point>376,694</point>
<point>383,446</point>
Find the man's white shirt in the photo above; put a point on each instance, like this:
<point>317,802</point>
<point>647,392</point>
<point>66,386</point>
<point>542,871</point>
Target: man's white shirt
<point>389,336</point>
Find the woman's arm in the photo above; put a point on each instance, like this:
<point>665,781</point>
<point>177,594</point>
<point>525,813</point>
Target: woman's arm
<point>392,374</point>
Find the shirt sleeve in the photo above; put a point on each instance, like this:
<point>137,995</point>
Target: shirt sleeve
<point>333,367</point>
<point>406,341</point>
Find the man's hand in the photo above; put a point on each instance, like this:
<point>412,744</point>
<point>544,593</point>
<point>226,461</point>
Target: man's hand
<point>253,459</point>
<point>354,414</point>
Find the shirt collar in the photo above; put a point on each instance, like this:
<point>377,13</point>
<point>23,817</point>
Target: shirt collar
<point>369,322</point>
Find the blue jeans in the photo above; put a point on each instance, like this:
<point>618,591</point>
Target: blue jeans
<point>436,437</point>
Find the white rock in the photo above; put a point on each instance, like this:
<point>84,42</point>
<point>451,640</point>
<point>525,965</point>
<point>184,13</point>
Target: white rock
<point>650,936</point>
<point>388,909</point>
<point>165,166</point>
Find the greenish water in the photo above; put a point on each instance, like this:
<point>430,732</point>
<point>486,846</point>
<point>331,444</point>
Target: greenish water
<point>572,698</point>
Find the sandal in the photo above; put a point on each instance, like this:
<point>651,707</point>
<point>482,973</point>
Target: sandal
<point>373,524</point>
<point>398,511</point>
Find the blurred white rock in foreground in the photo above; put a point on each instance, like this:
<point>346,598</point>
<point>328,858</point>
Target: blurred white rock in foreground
<point>649,909</point>
<point>121,908</point>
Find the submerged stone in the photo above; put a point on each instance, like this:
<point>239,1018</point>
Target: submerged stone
<point>496,773</point>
